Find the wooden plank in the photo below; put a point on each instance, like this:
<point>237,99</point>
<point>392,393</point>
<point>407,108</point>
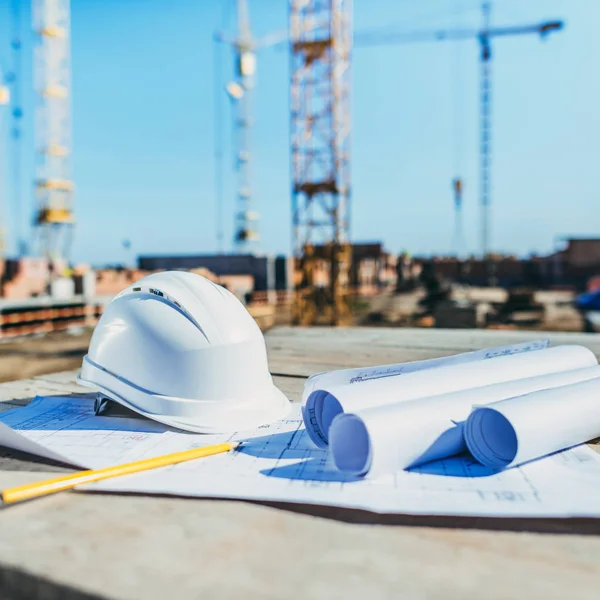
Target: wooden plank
<point>303,351</point>
<point>111,546</point>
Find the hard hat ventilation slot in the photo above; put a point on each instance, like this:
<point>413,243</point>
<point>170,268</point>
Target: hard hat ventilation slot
<point>168,299</point>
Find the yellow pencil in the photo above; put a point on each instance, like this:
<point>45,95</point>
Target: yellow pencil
<point>58,484</point>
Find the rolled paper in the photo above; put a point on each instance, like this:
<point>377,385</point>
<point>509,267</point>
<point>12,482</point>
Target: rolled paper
<point>514,431</point>
<point>324,404</point>
<point>398,436</point>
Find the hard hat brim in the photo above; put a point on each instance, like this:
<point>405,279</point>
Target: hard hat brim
<point>228,416</point>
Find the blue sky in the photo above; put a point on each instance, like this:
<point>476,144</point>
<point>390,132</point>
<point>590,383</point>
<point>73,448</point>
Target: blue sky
<point>143,127</point>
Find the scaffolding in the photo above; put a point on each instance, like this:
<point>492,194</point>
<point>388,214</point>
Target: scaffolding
<point>54,218</point>
<point>321,45</point>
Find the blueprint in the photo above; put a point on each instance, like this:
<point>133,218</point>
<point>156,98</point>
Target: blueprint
<point>279,463</point>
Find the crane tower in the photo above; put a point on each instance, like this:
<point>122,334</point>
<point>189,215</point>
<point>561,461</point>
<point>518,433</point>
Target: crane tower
<point>321,44</point>
<point>240,91</point>
<point>246,235</point>
<point>15,78</point>
<point>52,82</point>
<point>4,100</point>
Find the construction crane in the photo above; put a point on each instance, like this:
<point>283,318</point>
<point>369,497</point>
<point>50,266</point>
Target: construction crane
<point>485,143</point>
<point>4,101</point>
<point>246,234</point>
<point>321,46</point>
<point>484,36</point>
<point>54,218</point>
<point>14,79</point>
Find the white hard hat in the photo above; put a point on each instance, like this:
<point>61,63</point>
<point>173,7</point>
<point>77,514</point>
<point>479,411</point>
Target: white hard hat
<point>181,350</point>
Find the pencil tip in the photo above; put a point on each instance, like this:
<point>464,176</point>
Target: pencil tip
<point>236,445</point>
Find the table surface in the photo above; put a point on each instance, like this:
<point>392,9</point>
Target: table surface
<point>78,545</point>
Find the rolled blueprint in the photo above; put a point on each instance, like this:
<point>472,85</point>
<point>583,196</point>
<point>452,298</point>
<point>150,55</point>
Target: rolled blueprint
<point>389,438</point>
<point>319,382</point>
<point>510,432</point>
<point>344,376</point>
<point>323,404</point>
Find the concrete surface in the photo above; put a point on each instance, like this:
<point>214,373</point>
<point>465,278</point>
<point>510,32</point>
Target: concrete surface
<point>77,545</point>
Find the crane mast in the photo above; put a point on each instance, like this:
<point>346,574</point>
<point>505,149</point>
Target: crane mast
<point>14,78</point>
<point>54,217</point>
<point>321,45</point>
<point>246,236</point>
<point>485,87</point>
<point>4,101</point>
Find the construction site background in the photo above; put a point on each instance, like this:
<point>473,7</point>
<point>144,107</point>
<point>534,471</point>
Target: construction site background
<point>269,281</point>
<point>576,267</point>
